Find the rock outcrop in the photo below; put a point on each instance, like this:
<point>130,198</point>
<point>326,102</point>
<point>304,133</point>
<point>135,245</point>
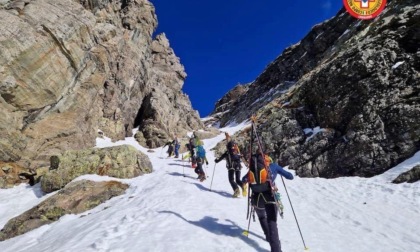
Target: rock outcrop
<point>120,162</point>
<point>206,134</point>
<point>9,174</point>
<point>410,176</point>
<point>166,109</point>
<point>224,105</point>
<point>344,101</point>
<point>75,198</point>
<point>69,68</point>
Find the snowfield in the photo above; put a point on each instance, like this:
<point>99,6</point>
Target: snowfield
<point>170,210</point>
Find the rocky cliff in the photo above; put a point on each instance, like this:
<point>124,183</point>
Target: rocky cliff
<point>69,68</point>
<point>345,100</point>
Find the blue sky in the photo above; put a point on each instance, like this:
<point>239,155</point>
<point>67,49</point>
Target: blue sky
<point>225,42</point>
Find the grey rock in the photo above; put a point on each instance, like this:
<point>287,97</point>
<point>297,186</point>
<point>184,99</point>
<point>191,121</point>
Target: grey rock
<point>75,198</point>
<point>410,176</point>
<point>358,81</point>
<point>120,162</point>
<point>69,68</point>
<point>166,111</point>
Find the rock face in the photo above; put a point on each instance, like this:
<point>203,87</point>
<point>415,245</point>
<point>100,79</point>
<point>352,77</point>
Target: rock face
<point>229,101</point>
<point>120,162</point>
<point>75,198</point>
<point>69,68</point>
<point>224,105</point>
<point>345,100</point>
<point>166,109</point>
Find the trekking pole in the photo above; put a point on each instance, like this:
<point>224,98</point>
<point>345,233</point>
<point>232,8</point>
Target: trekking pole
<point>294,213</point>
<point>249,167</point>
<point>205,168</point>
<point>253,118</point>
<point>246,232</point>
<point>183,173</point>
<point>212,177</point>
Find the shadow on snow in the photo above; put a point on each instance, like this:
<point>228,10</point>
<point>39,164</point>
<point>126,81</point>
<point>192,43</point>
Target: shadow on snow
<point>180,175</point>
<point>211,224</point>
<point>175,164</point>
<point>221,193</point>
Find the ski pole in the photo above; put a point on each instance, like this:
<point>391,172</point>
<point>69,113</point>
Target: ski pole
<point>293,213</point>
<point>246,233</point>
<point>183,173</point>
<point>249,167</point>
<point>205,168</point>
<point>161,152</point>
<point>212,177</point>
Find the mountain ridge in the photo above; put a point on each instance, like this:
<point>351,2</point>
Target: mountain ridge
<point>357,80</point>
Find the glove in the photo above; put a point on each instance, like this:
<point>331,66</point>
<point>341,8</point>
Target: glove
<point>216,161</point>
<point>207,162</point>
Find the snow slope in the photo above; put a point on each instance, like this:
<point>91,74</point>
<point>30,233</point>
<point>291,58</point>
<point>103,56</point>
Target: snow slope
<point>170,210</point>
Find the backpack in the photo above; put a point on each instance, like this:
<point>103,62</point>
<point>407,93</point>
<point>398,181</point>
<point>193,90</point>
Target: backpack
<point>201,152</point>
<point>258,175</point>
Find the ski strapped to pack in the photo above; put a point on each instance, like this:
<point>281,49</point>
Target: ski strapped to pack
<point>253,122</point>
<point>249,187</point>
<point>269,175</point>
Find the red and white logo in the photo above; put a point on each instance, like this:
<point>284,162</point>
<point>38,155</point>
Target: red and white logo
<point>364,9</point>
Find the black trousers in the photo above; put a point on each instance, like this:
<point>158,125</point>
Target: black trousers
<point>199,168</point>
<point>267,215</point>
<point>235,178</point>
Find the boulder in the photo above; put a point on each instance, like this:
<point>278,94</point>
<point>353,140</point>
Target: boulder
<point>410,176</point>
<point>122,161</point>
<point>77,197</point>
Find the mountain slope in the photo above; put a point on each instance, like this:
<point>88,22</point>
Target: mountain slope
<point>357,81</point>
<point>165,211</point>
